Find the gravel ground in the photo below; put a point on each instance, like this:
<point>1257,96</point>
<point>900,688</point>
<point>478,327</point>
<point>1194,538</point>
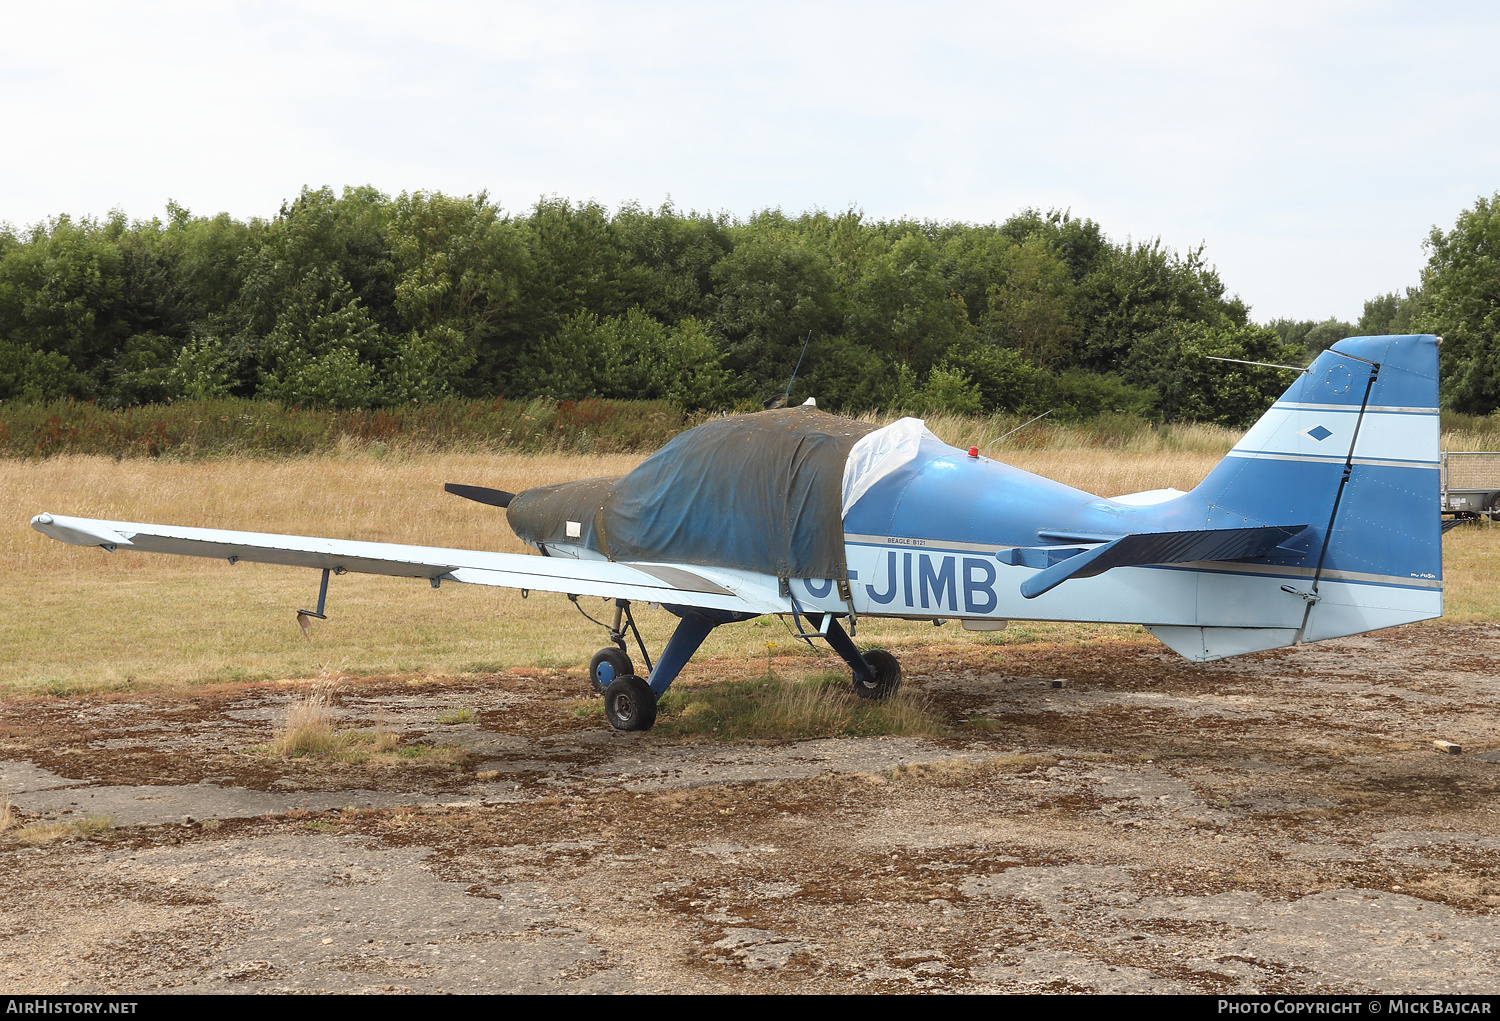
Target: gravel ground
<point>1098,818</point>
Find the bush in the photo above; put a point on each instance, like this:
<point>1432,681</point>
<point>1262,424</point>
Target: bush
<point>37,376</point>
<point>629,357</point>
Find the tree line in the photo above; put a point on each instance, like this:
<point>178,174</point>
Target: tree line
<point>361,300</point>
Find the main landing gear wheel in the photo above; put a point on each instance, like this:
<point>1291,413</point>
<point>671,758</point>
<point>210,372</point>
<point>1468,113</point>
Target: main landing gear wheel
<point>887,675</point>
<point>630,704</point>
<point>608,664</point>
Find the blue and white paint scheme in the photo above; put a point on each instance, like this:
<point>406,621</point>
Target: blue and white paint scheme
<point>1321,522</point>
<point>924,538</point>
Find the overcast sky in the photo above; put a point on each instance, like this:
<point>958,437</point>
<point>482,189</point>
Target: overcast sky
<point>1311,146</point>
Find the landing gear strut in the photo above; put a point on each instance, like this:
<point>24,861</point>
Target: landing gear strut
<point>630,701</point>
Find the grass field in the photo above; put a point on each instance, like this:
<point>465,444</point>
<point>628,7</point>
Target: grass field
<point>75,619</point>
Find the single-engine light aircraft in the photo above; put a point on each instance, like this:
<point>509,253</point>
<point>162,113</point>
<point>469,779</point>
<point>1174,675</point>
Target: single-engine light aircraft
<point>1321,522</point>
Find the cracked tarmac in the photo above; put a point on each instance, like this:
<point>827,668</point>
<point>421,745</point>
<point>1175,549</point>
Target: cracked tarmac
<point>1275,823</point>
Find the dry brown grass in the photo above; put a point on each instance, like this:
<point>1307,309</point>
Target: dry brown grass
<point>782,709</point>
<point>46,833</point>
<point>310,732</point>
<point>309,728</point>
<point>1471,572</point>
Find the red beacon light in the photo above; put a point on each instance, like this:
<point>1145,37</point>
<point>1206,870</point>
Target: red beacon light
<point>973,451</point>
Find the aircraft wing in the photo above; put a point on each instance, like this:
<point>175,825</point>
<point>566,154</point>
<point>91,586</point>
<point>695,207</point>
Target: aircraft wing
<point>685,585</point>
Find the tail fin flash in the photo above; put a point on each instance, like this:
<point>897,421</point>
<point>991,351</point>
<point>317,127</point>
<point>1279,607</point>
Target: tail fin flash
<point>1353,447</point>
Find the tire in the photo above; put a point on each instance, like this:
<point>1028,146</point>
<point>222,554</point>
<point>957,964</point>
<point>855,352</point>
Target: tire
<point>608,664</point>
<point>630,704</point>
<point>887,675</point>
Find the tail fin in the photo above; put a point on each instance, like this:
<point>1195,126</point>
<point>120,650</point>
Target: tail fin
<point>1353,447</point>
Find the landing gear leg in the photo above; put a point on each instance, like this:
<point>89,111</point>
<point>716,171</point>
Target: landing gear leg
<point>629,702</point>
<point>614,662</point>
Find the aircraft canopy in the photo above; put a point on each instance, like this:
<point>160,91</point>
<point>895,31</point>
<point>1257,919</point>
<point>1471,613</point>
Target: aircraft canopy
<point>878,454</point>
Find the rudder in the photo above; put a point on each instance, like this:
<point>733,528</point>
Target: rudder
<point>1353,448</point>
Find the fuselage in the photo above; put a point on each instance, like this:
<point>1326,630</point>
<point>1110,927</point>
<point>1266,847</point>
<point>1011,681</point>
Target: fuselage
<point>922,545</point>
<point>1344,465</point>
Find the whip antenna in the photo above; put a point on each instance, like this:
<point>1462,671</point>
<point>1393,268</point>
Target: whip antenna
<point>786,397</point>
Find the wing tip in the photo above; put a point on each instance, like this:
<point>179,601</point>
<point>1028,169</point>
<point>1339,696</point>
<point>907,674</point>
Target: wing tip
<point>79,531</point>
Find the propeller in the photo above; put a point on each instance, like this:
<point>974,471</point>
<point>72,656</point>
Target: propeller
<point>479,494</point>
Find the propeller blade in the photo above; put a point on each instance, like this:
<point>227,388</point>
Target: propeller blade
<point>479,494</point>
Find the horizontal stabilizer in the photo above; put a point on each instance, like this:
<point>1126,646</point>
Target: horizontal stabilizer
<point>1038,557</point>
<point>1146,548</point>
<point>1067,535</point>
<point>479,494</point>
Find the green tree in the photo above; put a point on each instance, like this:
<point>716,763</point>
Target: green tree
<point>844,377</point>
<point>1031,310</point>
<point>203,369</point>
<point>667,271</point>
<point>62,292</point>
<point>1392,314</point>
<point>319,244</point>
<point>1080,244</point>
<point>1006,381</point>
<point>1138,290</point>
<point>36,376</point>
<point>901,307</point>
<point>771,292</point>
<point>1461,289</point>
<point>973,260</point>
<point>947,390</point>
<point>460,269</point>
<point>1195,388</point>
<point>324,348</point>
<point>1312,337</point>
